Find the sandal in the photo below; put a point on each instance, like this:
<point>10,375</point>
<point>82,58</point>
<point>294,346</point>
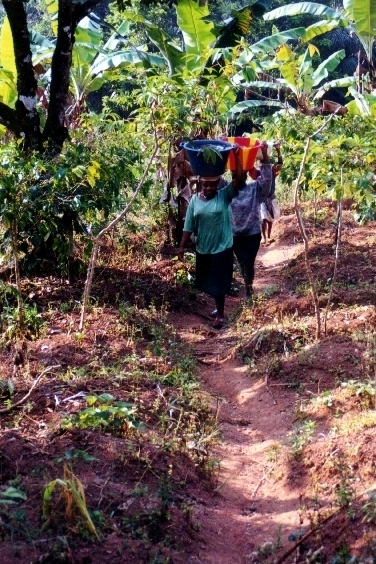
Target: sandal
<point>218,323</point>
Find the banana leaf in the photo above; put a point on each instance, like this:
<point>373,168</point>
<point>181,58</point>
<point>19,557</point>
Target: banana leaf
<point>304,8</point>
<point>8,92</point>
<point>272,42</point>
<point>327,66</point>
<point>133,56</point>
<point>319,28</point>
<point>52,7</point>
<point>362,13</point>
<point>249,104</point>
<point>344,82</point>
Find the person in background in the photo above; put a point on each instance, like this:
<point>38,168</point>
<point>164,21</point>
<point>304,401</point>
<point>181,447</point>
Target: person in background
<point>246,225</point>
<point>208,219</point>
<point>267,210</point>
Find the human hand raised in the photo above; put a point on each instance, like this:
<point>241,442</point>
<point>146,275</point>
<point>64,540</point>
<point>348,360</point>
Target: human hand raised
<point>264,151</point>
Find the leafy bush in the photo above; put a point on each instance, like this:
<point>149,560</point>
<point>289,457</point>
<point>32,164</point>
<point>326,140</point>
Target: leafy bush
<point>104,411</point>
<point>45,201</point>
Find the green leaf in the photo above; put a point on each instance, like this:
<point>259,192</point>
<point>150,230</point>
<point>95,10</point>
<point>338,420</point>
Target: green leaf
<point>319,28</point>
<point>105,398</point>
<point>290,73</point>
<point>8,92</point>
<point>88,31</point>
<point>303,8</point>
<point>105,62</point>
<point>118,36</point>
<point>172,55</point>
<point>327,66</point>
<point>198,34</point>
<point>13,493</point>
<point>53,10</point>
<point>336,83</point>
<point>363,16</point>
<point>249,104</point>
<point>361,103</point>
<point>264,84</point>
<point>272,42</point>
<point>91,400</point>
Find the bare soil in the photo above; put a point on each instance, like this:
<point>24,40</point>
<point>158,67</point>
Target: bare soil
<point>282,471</point>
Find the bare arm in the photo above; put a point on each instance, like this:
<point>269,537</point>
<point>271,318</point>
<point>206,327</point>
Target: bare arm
<point>184,240</point>
<point>264,181</point>
<point>279,154</point>
<point>239,176</point>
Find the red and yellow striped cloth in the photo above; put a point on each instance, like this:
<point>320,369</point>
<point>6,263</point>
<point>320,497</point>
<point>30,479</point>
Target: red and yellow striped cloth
<point>248,151</point>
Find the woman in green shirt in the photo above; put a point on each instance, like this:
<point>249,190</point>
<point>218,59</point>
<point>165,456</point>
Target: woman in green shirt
<point>208,218</point>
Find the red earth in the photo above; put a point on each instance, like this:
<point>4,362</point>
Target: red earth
<point>283,472</point>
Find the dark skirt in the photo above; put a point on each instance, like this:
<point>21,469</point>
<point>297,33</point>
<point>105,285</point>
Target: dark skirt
<point>214,272</point>
<point>246,248</point>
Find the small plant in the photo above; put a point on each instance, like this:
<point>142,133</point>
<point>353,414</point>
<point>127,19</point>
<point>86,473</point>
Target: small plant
<point>301,436</point>
<point>65,307</point>
<point>325,399</point>
<point>365,390</point>
<point>73,494</point>
<point>369,509</point>
<point>344,493</point>
<point>104,411</point>
<point>33,322</point>
<point>269,291</point>
<point>211,154</point>
<point>6,387</point>
<point>273,452</point>
<point>11,495</point>
<point>268,548</point>
<point>75,454</point>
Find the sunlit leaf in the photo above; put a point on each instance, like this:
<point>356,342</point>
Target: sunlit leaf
<point>8,92</point>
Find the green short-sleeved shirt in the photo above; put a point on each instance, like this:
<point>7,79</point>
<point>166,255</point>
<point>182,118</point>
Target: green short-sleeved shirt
<point>210,221</point>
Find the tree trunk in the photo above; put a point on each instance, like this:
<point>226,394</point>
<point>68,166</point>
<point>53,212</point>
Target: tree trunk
<point>25,118</point>
<point>23,121</point>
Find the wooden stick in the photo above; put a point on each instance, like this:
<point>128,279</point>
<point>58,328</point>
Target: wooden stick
<point>302,229</point>
<point>34,385</point>
<point>97,239</point>
<point>309,533</point>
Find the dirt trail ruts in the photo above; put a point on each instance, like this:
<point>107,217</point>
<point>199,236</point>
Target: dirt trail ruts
<point>254,502</point>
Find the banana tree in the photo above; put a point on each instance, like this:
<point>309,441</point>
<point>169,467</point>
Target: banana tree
<point>20,116</point>
<point>203,41</point>
<point>299,80</point>
<point>93,64</point>
<point>359,15</point>
<point>299,84</point>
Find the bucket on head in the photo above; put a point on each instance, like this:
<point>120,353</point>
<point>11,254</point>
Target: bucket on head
<point>248,149</point>
<point>208,157</point>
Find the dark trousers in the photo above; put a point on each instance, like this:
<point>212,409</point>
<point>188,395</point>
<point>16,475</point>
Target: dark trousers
<point>246,248</point>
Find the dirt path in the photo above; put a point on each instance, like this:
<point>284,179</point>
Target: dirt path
<point>254,502</point>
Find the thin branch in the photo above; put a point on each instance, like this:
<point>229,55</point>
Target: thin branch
<point>302,226</point>
<point>20,302</point>
<point>338,244</point>
<point>34,385</point>
<point>109,227</point>
<point>319,526</point>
